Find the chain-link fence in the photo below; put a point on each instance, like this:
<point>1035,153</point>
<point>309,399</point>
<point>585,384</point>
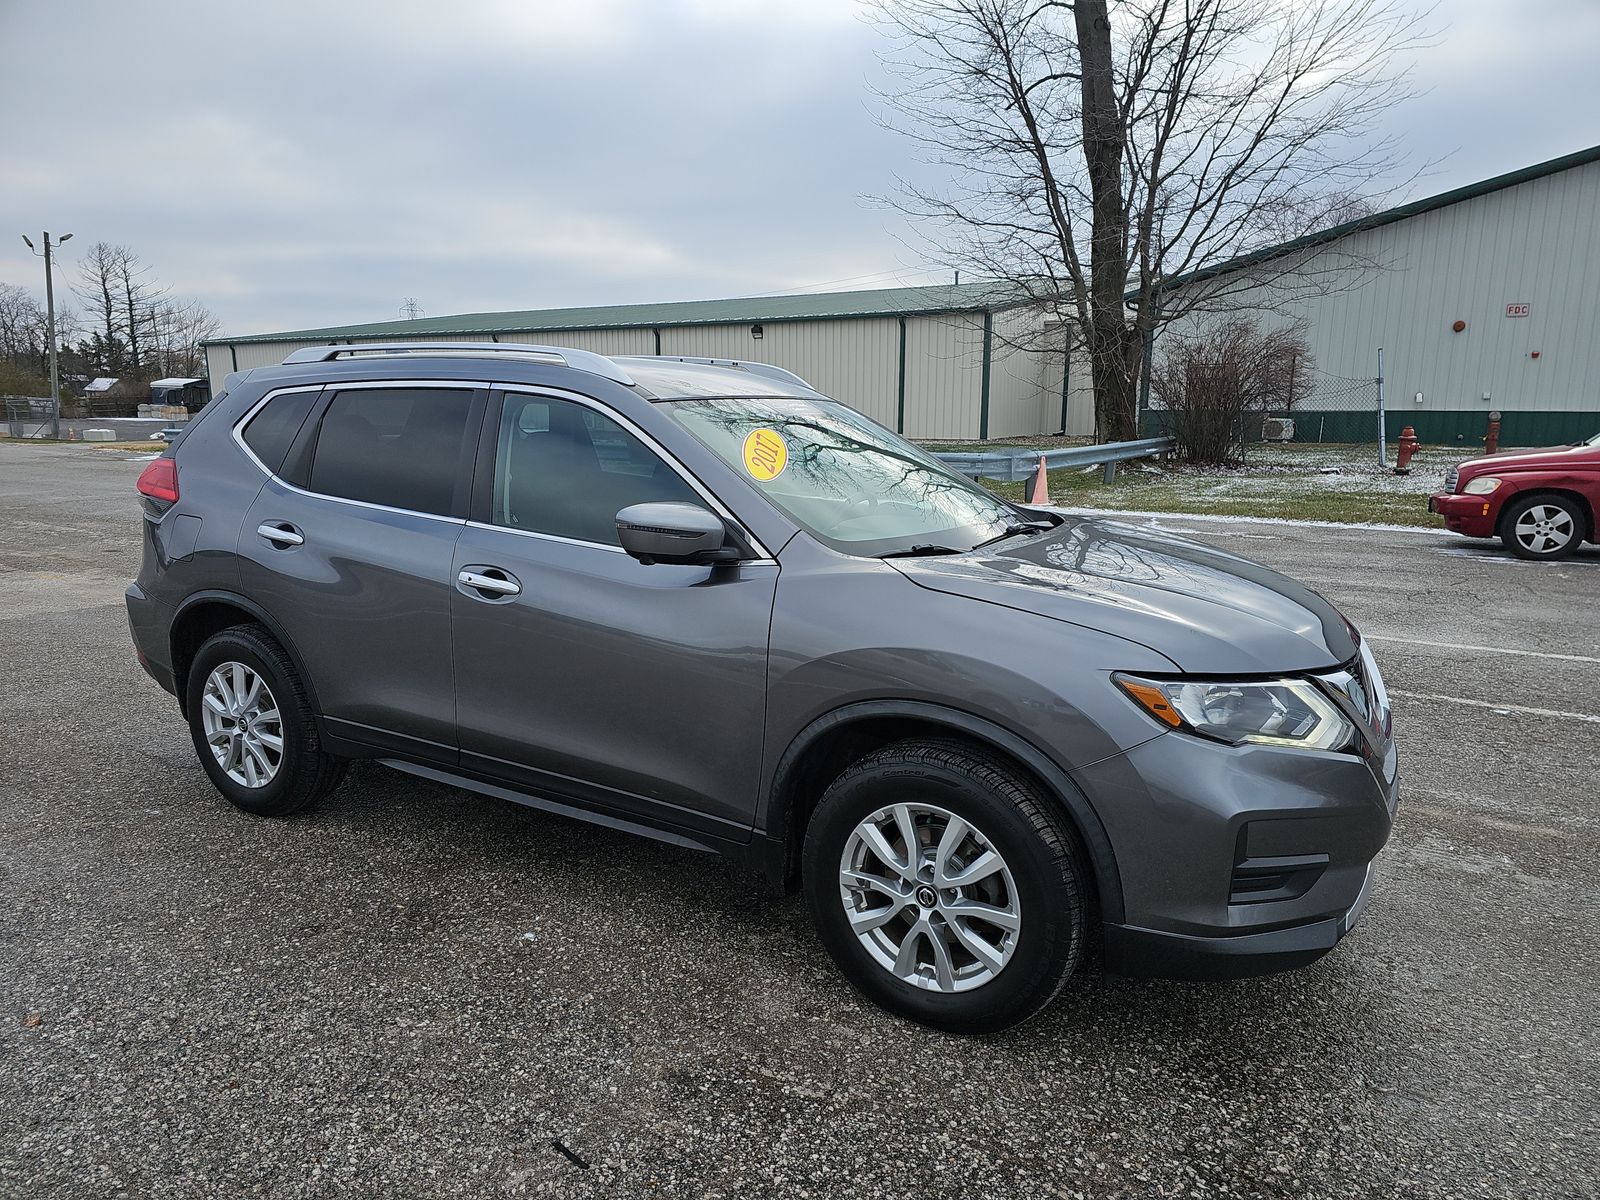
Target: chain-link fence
<point>1314,407</point>
<point>29,416</point>
<point>1323,408</point>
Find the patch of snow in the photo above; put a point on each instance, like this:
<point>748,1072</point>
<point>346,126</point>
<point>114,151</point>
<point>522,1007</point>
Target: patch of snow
<point>1154,519</point>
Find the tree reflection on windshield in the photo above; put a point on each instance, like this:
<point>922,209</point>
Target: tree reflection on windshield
<point>852,483</point>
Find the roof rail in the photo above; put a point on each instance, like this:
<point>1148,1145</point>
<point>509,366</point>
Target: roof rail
<point>579,360</point>
<point>755,368</point>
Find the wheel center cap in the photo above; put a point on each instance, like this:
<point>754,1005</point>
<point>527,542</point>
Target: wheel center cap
<point>926,896</point>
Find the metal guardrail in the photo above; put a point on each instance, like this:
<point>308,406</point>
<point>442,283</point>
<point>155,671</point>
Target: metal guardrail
<point>1011,465</point>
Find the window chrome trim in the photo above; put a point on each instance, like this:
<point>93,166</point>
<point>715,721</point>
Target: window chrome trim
<point>763,555</point>
<point>239,426</point>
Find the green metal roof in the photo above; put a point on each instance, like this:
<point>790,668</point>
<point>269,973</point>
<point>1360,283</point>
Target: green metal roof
<point>821,306</point>
<point>1389,216</point>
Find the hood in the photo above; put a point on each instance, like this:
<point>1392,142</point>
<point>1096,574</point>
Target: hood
<point>1207,611</point>
<point>1548,456</point>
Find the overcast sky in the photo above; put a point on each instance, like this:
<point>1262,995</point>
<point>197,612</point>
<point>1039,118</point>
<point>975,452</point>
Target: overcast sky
<point>297,164</point>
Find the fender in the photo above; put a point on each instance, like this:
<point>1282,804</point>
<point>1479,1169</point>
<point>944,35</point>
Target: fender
<point>272,626</point>
<point>1102,859</point>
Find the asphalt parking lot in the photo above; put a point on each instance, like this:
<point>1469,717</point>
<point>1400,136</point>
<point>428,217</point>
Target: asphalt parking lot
<point>415,991</point>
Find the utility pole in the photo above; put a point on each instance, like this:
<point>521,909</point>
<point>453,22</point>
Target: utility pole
<point>1383,435</point>
<point>50,329</point>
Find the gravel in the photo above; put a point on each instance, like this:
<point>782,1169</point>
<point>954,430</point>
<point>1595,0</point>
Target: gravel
<point>416,991</point>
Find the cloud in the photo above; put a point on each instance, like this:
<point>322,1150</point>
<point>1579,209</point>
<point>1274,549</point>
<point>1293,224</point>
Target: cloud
<point>299,164</point>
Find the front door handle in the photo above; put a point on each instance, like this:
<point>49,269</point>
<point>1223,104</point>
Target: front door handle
<point>489,579</point>
<point>281,535</point>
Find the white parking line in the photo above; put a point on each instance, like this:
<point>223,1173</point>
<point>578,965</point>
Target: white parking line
<point>1590,718</point>
<point>1406,641</point>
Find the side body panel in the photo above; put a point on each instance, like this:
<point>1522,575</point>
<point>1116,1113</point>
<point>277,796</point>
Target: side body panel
<point>366,599</point>
<point>637,688</point>
<point>848,630</point>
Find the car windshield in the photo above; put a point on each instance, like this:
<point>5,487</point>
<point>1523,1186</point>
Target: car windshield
<point>847,480</point>
<point>1594,441</point>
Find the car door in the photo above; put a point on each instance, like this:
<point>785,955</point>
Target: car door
<point>581,672</point>
<point>349,548</point>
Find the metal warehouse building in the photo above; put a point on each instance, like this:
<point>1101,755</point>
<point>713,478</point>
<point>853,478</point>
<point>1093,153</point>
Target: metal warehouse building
<point>942,362</point>
<point>1483,299</point>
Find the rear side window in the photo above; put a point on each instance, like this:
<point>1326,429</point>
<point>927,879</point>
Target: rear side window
<point>402,447</point>
<point>271,431</point>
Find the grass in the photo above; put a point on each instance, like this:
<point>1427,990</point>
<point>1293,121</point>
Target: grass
<point>139,447</point>
<point>1295,482</point>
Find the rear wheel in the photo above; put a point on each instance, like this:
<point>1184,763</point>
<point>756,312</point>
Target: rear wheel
<point>252,725</point>
<point>1543,527</point>
<point>946,887</point>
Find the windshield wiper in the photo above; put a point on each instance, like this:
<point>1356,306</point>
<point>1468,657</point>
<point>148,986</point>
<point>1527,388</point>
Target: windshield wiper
<point>1014,531</point>
<point>920,551</point>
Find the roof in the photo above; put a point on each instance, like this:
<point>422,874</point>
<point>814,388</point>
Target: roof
<point>1389,216</point>
<point>673,379</point>
<point>174,383</point>
<point>816,306</point>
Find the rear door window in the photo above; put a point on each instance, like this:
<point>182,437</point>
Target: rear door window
<point>271,431</point>
<point>400,447</point>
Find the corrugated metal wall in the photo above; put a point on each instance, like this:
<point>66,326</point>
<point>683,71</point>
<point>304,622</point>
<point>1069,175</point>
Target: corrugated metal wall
<point>853,361</point>
<point>1535,243</point>
<point>856,361</point>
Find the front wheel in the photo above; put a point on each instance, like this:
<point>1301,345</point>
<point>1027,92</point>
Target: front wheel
<point>946,887</point>
<point>252,724</point>
<point>1542,527</point>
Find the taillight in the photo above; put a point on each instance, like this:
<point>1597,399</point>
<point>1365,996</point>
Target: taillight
<point>159,480</point>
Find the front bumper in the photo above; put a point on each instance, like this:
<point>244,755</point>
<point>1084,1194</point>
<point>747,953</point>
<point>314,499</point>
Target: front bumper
<point>1470,516</point>
<point>1237,860</point>
<point>1153,953</point>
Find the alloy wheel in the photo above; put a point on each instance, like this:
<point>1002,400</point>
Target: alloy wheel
<point>242,725</point>
<point>929,897</point>
<point>1544,528</point>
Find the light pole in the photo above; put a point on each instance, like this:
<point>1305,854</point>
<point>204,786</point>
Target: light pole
<point>50,328</point>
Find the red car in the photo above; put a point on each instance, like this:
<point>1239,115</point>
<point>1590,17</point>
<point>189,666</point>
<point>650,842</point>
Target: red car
<point>1540,503</point>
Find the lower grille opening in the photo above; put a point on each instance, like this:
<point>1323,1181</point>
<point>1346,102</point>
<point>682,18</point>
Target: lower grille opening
<point>1284,877</point>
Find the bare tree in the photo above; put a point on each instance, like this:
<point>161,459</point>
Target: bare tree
<point>177,332</point>
<point>139,298</point>
<point>1100,150</point>
<point>97,288</point>
<point>22,326</point>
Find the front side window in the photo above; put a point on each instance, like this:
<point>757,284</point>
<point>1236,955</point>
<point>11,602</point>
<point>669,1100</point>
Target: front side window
<point>401,447</point>
<point>566,470</point>
<point>847,480</point>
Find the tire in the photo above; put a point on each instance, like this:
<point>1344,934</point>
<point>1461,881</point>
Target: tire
<point>1041,884</point>
<point>298,773</point>
<point>1543,526</point>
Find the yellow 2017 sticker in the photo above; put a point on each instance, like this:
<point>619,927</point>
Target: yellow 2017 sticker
<point>766,454</point>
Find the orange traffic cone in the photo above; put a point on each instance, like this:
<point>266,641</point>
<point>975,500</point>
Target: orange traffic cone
<point>1040,492</point>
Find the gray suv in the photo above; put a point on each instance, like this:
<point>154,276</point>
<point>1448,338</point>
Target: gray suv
<point>699,601</point>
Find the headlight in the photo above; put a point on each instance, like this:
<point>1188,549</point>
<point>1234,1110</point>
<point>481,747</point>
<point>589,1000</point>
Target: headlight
<point>1481,486</point>
<point>1276,712</point>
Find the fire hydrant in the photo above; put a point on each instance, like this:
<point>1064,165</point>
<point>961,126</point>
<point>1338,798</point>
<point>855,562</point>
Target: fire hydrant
<point>1408,447</point>
<point>1491,440</point>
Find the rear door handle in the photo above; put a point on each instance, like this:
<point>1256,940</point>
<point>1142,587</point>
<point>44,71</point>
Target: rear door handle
<point>489,579</point>
<point>282,535</point>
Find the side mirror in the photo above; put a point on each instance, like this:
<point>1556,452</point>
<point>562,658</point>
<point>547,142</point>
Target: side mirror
<point>674,533</point>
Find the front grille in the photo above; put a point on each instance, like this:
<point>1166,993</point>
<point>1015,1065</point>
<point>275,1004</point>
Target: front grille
<point>1451,479</point>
